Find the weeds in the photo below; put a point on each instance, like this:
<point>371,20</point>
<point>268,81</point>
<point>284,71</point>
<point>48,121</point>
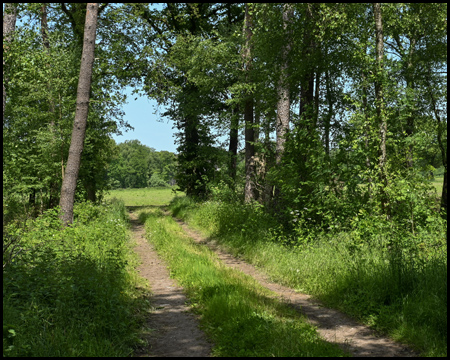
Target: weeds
<point>71,292</point>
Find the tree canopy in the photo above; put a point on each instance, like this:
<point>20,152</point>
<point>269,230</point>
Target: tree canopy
<point>336,107</point>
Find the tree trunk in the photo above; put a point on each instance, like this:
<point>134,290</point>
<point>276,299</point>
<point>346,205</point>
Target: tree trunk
<point>9,25</point>
<point>307,83</point>
<point>249,190</point>
<point>440,130</point>
<point>232,149</point>
<point>379,50</point>
<point>81,113</point>
<point>283,105</point>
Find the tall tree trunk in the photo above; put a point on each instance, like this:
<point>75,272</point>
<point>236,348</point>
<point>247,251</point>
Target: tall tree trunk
<point>307,83</point>
<point>249,190</point>
<point>81,113</point>
<point>379,50</point>
<point>284,103</point>
<point>232,149</point>
<point>440,130</point>
<point>9,25</point>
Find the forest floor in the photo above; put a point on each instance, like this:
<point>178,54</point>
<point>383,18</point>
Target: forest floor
<point>176,331</point>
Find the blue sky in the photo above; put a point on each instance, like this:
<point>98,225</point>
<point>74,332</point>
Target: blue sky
<point>149,128</point>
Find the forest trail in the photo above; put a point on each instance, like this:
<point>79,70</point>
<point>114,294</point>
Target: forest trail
<point>332,325</point>
<point>176,332</point>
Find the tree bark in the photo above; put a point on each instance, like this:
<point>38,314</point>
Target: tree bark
<point>440,130</point>
<point>81,113</point>
<point>379,51</point>
<point>249,190</point>
<point>232,149</point>
<point>283,105</point>
<point>9,26</point>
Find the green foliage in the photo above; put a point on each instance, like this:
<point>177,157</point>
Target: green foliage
<point>135,165</point>
<point>40,103</point>
<point>72,292</point>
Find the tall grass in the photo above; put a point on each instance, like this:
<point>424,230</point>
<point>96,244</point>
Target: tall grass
<point>394,282</point>
<point>72,292</point>
<point>239,315</point>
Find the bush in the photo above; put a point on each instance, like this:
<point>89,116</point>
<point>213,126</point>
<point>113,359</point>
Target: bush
<point>70,292</point>
<point>157,181</point>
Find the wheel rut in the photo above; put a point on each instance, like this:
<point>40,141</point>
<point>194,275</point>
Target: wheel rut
<point>175,331</point>
<point>334,326</point>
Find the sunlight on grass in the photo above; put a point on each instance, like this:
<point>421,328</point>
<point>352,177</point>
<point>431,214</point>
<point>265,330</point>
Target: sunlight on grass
<point>73,292</point>
<point>143,197</point>
<point>402,294</point>
<point>241,317</point>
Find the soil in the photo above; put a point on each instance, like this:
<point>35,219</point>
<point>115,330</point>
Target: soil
<point>177,333</point>
<point>175,330</point>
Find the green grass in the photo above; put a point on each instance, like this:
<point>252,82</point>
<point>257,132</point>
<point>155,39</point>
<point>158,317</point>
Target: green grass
<point>438,183</point>
<point>401,293</point>
<point>237,313</point>
<point>143,197</point>
<point>73,292</point>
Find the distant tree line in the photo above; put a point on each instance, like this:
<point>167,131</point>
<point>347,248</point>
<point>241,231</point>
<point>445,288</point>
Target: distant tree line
<point>135,165</point>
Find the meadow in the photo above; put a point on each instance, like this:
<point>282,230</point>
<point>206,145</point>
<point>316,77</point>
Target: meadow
<point>400,291</point>
<point>74,292</point>
<point>142,197</point>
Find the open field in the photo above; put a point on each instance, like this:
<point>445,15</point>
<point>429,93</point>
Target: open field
<point>143,197</point>
<point>437,183</point>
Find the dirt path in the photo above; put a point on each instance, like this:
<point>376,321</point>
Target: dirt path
<point>176,332</point>
<point>332,325</point>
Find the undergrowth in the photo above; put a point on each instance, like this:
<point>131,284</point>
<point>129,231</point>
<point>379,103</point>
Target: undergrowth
<point>238,314</point>
<point>392,280</point>
<point>71,292</point>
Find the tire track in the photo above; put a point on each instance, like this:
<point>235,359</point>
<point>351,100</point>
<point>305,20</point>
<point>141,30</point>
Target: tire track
<point>331,324</point>
<point>175,330</point>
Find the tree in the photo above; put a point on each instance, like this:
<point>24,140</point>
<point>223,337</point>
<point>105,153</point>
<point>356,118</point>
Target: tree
<point>79,127</point>
<point>379,51</point>
<point>9,25</point>
<point>283,105</point>
<point>250,190</point>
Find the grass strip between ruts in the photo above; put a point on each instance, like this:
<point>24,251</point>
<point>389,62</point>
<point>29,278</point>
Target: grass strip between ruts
<point>240,316</point>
